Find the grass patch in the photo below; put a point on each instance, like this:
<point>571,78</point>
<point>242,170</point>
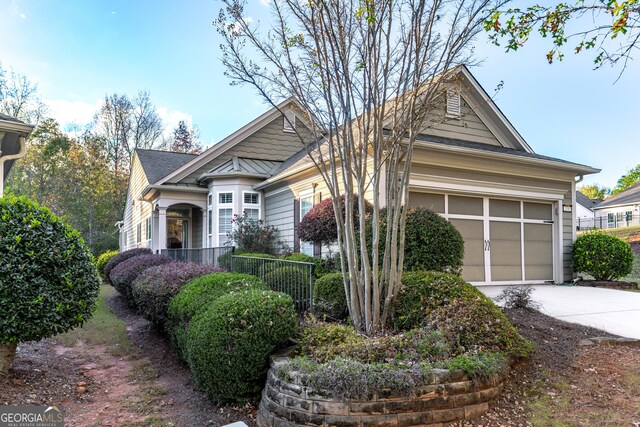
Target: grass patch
<point>630,234</point>
<point>142,371</point>
<point>104,328</point>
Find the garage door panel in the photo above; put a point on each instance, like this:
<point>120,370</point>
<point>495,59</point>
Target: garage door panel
<point>472,232</point>
<point>538,249</point>
<point>506,251</point>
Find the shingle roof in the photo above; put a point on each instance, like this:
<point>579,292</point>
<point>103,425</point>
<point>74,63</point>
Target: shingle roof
<point>585,201</point>
<point>158,164</point>
<point>627,197</point>
<point>9,118</point>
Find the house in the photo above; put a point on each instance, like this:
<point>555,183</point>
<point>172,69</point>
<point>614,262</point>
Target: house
<point>620,210</point>
<point>585,216</point>
<point>13,137</point>
<point>514,208</point>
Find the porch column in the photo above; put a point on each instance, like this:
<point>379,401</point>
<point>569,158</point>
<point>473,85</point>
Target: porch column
<point>162,228</point>
<point>205,228</point>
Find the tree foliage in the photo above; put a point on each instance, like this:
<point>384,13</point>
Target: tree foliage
<point>627,180</point>
<point>319,225</point>
<point>368,77</point>
<point>610,28</point>
<point>19,97</point>
<point>185,139</point>
<point>595,191</point>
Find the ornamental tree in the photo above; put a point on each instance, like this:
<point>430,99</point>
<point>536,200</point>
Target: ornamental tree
<point>48,284</point>
<point>319,225</point>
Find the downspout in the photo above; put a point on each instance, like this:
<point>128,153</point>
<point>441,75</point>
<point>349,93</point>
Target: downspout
<point>580,179</point>
<point>3,159</point>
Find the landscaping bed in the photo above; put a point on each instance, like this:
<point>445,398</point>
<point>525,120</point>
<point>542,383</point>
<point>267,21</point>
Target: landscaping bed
<point>609,284</point>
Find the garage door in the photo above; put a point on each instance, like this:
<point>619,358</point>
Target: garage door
<point>506,241</point>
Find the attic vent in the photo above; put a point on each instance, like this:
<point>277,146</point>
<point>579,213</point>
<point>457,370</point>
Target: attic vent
<point>453,103</point>
<point>289,121</point>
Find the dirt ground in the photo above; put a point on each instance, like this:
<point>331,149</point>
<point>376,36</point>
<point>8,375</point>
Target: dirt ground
<point>562,384</point>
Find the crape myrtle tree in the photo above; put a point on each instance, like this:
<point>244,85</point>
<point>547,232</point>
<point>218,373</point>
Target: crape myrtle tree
<point>369,77</point>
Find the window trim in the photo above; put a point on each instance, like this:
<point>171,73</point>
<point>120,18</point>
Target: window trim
<point>139,232</point>
<point>148,226</point>
<point>289,122</point>
<point>257,206</point>
<point>453,103</point>
<point>304,195</point>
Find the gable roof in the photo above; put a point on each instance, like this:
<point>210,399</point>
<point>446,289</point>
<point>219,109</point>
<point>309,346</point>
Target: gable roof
<point>242,166</point>
<point>230,141</point>
<point>157,164</point>
<point>585,201</point>
<point>630,196</point>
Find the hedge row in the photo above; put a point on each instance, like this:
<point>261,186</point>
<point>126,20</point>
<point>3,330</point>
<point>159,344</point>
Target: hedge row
<point>214,319</point>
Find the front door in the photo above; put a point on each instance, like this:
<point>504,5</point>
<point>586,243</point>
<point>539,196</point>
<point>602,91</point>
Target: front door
<point>177,233</point>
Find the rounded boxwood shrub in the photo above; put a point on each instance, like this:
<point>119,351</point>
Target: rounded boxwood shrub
<point>122,256</point>
<point>467,318</point>
<point>329,297</point>
<point>320,264</point>
<point>102,261</point>
<point>153,291</point>
<point>123,275</point>
<point>291,279</point>
<point>431,242</point>
<point>198,295</point>
<point>230,343</point>
<point>602,256</point>
<point>48,284</point>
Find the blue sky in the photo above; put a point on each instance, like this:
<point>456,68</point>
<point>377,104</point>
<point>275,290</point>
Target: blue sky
<point>78,51</point>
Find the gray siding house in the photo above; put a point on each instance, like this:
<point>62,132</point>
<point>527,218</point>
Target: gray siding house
<point>514,208</point>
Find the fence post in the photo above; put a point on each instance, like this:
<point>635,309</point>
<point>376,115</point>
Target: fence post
<point>311,272</point>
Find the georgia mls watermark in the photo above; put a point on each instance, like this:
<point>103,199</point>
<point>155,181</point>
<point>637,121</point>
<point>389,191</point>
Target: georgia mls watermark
<point>31,416</point>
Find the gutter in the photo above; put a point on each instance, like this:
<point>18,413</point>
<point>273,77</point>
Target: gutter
<point>148,188</point>
<point>207,175</point>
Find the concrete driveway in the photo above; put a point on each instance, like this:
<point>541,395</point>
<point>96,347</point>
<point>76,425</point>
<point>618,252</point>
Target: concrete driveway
<point>616,312</point>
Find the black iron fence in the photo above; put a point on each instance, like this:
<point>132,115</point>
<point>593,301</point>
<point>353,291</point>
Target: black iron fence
<point>611,221</point>
<point>291,277</point>
<point>219,257</point>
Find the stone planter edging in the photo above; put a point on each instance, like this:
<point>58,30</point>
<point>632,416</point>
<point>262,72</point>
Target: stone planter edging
<point>451,396</point>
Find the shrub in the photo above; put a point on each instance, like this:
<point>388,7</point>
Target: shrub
<point>48,284</point>
<point>431,242</point>
<point>602,256</point>
<point>122,256</point>
<point>467,318</point>
<point>197,296</point>
<point>253,235</point>
<point>102,261</point>
<point>291,279</point>
<point>329,297</point>
<point>321,266</point>
<point>319,224</point>
<point>154,290</point>
<point>123,275</point>
<point>518,297</point>
<point>478,367</point>
<point>230,343</point>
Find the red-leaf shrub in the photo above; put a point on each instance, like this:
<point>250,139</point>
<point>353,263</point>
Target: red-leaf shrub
<point>123,274</point>
<point>122,256</point>
<point>153,291</point>
<point>319,224</point>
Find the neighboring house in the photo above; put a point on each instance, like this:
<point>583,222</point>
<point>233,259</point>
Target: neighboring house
<point>585,216</point>
<point>514,208</point>
<point>13,138</point>
<point>621,210</point>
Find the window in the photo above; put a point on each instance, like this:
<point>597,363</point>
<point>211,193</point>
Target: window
<point>251,205</point>
<point>628,216</point>
<point>139,232</point>
<point>610,218</point>
<point>453,103</point>
<point>225,216</point>
<point>619,216</point>
<point>148,225</point>
<point>289,121</point>
<point>306,203</point>
<point>225,198</point>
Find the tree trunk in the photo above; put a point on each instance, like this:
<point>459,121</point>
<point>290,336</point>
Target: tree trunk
<point>7,354</point>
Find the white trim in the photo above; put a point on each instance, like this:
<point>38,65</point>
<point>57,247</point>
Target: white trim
<point>257,206</point>
<point>289,121</point>
<point>227,143</point>
<point>275,192</point>
<point>220,206</point>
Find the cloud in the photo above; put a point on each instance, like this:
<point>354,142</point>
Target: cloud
<point>171,118</point>
<point>265,3</point>
<point>236,28</point>
<point>16,10</point>
<point>72,112</point>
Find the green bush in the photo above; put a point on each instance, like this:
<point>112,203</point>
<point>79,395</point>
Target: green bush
<point>478,367</point>
<point>230,343</point>
<point>320,269</point>
<point>123,256</point>
<point>48,284</point>
<point>290,279</point>
<point>197,296</point>
<point>103,259</point>
<point>154,290</point>
<point>329,297</point>
<point>431,242</point>
<point>602,256</point>
<point>125,273</point>
<point>467,318</point>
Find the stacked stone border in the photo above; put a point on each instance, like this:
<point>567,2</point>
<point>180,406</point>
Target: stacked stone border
<point>451,396</point>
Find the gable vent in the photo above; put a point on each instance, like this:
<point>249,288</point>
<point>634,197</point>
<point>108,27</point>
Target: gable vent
<point>453,103</point>
<point>289,120</point>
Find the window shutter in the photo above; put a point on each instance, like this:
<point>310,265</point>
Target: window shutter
<point>296,222</point>
<point>317,248</point>
<point>289,120</point>
<point>453,103</point>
